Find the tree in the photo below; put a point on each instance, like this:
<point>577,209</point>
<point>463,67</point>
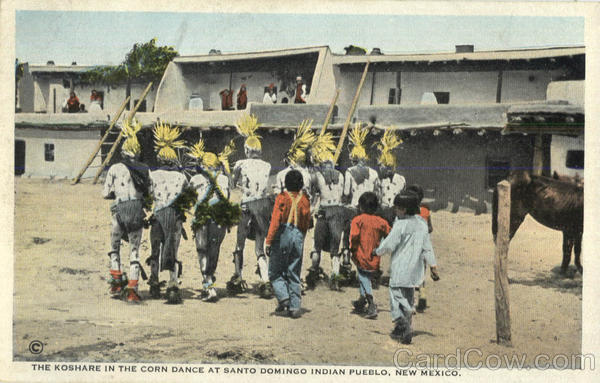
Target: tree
<point>144,62</point>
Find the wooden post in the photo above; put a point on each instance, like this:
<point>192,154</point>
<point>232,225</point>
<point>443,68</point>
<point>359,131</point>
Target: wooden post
<point>330,112</point>
<point>120,136</point>
<point>538,155</point>
<point>112,123</point>
<point>350,114</point>
<point>503,335</point>
<point>499,88</point>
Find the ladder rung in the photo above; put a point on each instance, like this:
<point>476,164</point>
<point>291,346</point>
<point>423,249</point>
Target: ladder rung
<point>108,143</point>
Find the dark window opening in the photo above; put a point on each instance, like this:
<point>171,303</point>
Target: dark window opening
<point>66,83</point>
<point>574,159</point>
<point>497,170</point>
<point>19,157</point>
<point>392,96</point>
<point>442,97</point>
<point>142,107</point>
<point>49,152</point>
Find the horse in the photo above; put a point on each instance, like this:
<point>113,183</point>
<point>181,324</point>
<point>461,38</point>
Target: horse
<point>553,203</point>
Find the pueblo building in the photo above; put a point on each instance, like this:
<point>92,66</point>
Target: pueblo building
<point>466,117</point>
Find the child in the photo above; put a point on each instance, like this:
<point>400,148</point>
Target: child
<point>284,244</point>
<point>424,213</point>
<point>410,246</point>
<point>366,231</point>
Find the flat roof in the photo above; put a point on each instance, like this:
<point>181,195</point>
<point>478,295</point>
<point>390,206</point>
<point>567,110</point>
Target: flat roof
<point>249,55</point>
<point>520,54</point>
<point>60,68</point>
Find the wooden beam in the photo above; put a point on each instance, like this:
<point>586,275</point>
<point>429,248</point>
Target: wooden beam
<point>106,134</point>
<point>120,136</point>
<point>330,112</point>
<point>338,150</point>
<point>503,333</point>
<point>499,88</point>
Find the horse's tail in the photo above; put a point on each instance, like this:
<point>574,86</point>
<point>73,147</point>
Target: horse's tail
<point>495,213</point>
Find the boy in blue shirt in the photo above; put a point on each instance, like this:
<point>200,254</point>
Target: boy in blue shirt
<point>410,246</point>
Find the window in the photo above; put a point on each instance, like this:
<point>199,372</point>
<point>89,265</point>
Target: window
<point>66,83</point>
<point>49,152</point>
<point>142,107</point>
<point>442,97</point>
<point>574,159</point>
<point>497,169</point>
<point>394,96</point>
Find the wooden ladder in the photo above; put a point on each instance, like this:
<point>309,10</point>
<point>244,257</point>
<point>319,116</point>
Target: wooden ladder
<point>103,142</point>
<point>113,149</point>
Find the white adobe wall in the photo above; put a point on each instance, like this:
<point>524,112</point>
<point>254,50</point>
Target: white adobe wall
<point>464,87</point>
<point>26,91</point>
<point>173,93</point>
<point>559,147</point>
<point>71,150</point>
<point>571,91</point>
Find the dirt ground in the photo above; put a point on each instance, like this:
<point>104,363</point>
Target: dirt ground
<point>61,297</point>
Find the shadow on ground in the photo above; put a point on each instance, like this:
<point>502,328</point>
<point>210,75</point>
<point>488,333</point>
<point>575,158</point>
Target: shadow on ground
<point>570,282</point>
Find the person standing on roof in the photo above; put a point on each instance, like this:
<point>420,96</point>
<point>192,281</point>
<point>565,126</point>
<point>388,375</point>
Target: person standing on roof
<point>242,98</point>
<point>300,91</point>
<point>270,97</point>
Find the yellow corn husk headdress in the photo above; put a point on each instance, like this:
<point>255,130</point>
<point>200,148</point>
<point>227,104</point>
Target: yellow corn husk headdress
<point>225,153</point>
<point>247,127</point>
<point>209,159</point>
<point>323,149</point>
<point>131,145</point>
<point>165,140</point>
<point>389,141</point>
<point>303,139</point>
<point>357,139</point>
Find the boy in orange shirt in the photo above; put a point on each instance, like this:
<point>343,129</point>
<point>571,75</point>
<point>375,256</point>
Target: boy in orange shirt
<point>366,231</point>
<point>284,244</point>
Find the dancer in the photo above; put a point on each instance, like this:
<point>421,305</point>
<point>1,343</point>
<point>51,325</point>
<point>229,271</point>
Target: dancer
<point>391,183</point>
<point>296,158</point>
<point>358,179</point>
<point>251,175</point>
<point>331,214</point>
<point>213,213</point>
<point>127,183</point>
<point>172,198</point>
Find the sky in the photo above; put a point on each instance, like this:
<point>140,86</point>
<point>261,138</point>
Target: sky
<point>93,38</point>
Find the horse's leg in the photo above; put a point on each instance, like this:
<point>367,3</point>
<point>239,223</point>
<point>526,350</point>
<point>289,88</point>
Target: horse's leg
<point>566,248</point>
<point>577,243</point>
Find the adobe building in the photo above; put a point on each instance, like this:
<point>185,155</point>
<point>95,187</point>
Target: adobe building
<point>464,116</point>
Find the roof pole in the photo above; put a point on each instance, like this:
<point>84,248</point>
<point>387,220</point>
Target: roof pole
<point>350,114</point>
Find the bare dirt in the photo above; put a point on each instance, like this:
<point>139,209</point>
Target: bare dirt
<point>61,297</point>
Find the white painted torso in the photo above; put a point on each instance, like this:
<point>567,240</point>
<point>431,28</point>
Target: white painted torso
<point>201,184</point>
<point>390,188</point>
<point>166,186</point>
<point>252,176</point>
<point>118,181</point>
<point>330,194</point>
<point>351,187</point>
